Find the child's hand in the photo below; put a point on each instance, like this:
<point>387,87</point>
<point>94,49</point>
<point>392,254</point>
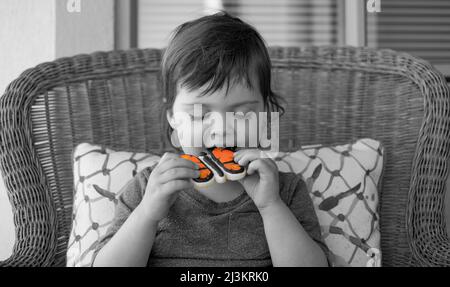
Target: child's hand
<point>261,186</point>
<point>171,175</point>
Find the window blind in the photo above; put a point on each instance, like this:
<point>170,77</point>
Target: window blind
<point>157,18</point>
<point>290,22</point>
<point>280,22</point>
<point>419,27</point>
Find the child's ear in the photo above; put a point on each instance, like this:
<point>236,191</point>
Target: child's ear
<point>170,119</point>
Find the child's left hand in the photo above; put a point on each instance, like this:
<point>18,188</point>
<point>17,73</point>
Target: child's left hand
<point>262,186</point>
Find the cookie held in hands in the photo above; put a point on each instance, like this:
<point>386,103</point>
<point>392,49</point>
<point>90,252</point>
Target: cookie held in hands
<point>218,165</point>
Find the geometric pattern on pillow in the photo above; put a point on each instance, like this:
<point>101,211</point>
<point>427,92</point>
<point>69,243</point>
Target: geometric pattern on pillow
<point>99,175</point>
<point>344,182</point>
<point>350,229</point>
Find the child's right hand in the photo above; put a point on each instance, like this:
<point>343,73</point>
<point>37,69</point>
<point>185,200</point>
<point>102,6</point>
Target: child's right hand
<point>170,175</point>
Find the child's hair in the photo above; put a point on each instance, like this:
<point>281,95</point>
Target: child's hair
<point>218,48</point>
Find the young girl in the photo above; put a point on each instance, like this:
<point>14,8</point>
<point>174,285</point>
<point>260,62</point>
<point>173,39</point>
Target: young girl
<point>265,219</point>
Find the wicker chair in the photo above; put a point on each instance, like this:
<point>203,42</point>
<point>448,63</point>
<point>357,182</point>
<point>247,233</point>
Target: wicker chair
<point>334,94</point>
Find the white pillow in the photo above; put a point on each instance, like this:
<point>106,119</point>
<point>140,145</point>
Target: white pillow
<point>100,173</point>
<point>344,182</point>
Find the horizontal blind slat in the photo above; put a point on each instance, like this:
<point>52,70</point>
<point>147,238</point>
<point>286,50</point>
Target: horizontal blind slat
<point>280,22</point>
<point>421,28</point>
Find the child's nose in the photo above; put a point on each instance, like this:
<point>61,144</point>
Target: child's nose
<point>221,131</point>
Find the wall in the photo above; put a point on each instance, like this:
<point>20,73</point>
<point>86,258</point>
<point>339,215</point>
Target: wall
<point>32,32</point>
<point>27,38</point>
<point>90,30</point>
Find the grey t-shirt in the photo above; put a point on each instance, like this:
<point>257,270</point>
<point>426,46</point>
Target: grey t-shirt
<point>200,232</point>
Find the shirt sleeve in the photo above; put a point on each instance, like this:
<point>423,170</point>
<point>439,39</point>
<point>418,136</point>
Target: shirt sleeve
<point>129,198</point>
<point>302,207</point>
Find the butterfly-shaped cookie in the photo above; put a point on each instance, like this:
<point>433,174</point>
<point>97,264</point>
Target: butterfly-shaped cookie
<point>216,164</point>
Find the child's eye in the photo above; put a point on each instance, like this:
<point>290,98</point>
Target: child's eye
<point>240,114</point>
<point>194,118</point>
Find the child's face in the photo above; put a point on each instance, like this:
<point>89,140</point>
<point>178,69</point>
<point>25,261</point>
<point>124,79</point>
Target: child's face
<point>215,131</point>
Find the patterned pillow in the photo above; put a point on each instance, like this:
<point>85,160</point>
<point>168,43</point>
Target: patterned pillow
<point>99,174</point>
<point>343,182</point>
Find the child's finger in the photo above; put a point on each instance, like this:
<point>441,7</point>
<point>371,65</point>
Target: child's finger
<point>191,162</point>
<point>249,156</point>
<point>271,162</point>
<point>168,155</point>
<point>260,166</point>
<point>176,185</point>
<point>238,154</point>
<point>178,173</point>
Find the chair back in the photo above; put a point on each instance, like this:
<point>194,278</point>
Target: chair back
<point>333,95</point>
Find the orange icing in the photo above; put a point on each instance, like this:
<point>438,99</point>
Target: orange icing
<point>204,171</point>
<point>226,157</point>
